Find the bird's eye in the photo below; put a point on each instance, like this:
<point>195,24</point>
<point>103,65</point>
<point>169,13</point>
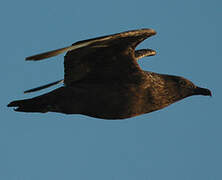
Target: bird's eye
<point>187,84</point>
<point>183,83</point>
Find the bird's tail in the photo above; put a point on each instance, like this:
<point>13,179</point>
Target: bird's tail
<point>30,105</point>
<point>43,103</point>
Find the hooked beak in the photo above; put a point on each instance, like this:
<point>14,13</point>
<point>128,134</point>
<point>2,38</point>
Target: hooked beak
<point>202,91</point>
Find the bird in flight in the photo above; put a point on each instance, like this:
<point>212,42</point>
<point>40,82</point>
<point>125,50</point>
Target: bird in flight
<point>102,79</point>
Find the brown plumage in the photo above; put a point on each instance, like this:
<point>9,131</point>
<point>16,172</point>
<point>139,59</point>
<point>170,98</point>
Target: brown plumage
<point>103,79</point>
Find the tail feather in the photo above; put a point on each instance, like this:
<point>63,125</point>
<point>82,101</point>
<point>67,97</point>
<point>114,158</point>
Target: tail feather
<point>29,105</point>
<point>43,103</point>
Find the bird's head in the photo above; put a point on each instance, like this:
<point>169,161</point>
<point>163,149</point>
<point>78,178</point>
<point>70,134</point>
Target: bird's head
<point>184,87</point>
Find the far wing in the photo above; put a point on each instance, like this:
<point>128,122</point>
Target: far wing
<point>138,55</point>
<point>44,86</point>
<point>144,53</point>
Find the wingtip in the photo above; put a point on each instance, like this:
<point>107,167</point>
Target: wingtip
<point>149,31</point>
<point>152,31</point>
<point>29,58</point>
<point>49,54</point>
<point>144,52</point>
<point>34,58</point>
<point>152,52</point>
<point>146,30</point>
<point>43,87</point>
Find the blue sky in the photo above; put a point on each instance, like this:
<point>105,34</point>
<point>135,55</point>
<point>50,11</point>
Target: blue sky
<point>182,141</point>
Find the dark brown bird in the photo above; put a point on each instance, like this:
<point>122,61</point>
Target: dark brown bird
<point>103,79</point>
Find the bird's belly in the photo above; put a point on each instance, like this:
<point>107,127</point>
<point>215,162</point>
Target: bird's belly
<point>106,102</point>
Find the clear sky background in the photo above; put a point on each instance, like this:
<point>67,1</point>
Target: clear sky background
<point>180,142</point>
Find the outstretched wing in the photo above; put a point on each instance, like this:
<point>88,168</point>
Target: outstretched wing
<point>138,55</point>
<point>106,59</point>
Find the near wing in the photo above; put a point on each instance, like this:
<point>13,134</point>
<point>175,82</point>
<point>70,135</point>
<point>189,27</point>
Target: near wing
<point>105,58</point>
